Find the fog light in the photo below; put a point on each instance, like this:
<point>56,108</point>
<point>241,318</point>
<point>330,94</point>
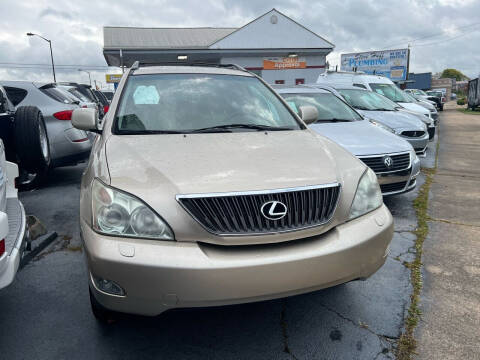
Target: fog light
<point>108,286</point>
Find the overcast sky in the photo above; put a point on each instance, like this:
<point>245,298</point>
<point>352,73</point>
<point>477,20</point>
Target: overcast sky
<point>448,31</point>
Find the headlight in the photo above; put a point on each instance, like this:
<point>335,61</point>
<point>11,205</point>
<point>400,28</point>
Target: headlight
<point>383,126</point>
<point>368,196</point>
<point>118,213</point>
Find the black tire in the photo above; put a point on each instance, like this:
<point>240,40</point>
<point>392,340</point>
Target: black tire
<point>31,146</point>
<point>101,313</point>
<point>441,107</point>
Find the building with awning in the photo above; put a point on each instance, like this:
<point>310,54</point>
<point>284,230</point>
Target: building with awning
<point>273,46</point>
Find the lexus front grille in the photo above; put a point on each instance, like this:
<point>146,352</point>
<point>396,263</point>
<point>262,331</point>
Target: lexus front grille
<point>245,213</point>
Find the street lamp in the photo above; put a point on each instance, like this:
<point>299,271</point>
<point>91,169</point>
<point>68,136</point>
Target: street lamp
<point>89,78</point>
<point>51,53</point>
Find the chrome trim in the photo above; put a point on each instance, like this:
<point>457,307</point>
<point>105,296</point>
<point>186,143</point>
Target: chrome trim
<point>257,192</point>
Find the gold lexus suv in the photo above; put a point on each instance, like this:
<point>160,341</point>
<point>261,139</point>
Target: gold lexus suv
<point>204,188</point>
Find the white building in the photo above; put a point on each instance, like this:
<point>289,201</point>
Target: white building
<point>273,46</point>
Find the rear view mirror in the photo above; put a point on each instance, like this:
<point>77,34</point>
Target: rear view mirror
<point>309,114</point>
<point>85,119</point>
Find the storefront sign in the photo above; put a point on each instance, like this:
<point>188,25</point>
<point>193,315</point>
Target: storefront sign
<point>390,63</point>
<point>284,63</point>
<point>113,78</point>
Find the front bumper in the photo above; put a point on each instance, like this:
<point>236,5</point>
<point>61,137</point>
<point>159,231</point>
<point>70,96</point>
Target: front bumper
<point>418,143</point>
<point>160,275</point>
<point>10,260</point>
<point>399,182</point>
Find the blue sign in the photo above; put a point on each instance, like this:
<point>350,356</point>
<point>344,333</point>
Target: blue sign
<point>390,63</point>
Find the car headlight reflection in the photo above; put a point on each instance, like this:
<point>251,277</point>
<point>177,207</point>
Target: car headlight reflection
<point>368,196</point>
<point>118,213</point>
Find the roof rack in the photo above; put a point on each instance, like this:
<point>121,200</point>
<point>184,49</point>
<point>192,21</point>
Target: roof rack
<point>138,64</point>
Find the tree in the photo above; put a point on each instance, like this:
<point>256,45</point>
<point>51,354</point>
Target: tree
<point>453,73</point>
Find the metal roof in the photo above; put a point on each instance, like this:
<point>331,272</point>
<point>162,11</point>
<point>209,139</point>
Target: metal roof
<point>159,38</point>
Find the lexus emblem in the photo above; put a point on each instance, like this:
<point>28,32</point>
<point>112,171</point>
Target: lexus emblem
<point>273,210</point>
<point>388,161</point>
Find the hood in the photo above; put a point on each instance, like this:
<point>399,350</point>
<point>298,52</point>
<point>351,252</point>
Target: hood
<point>397,120</point>
<point>415,107</point>
<point>219,162</point>
<point>362,138</point>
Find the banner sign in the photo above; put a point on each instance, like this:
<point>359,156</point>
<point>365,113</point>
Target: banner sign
<point>284,63</point>
<point>113,78</point>
<point>390,63</point>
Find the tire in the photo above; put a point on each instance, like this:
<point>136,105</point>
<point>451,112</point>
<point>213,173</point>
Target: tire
<point>101,313</point>
<point>441,107</point>
<point>31,145</point>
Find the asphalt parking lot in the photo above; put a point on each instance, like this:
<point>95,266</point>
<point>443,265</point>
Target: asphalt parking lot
<point>45,313</point>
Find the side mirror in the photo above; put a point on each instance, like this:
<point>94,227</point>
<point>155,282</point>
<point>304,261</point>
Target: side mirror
<point>309,114</point>
<point>85,119</point>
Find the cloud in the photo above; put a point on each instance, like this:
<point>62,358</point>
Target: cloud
<point>55,13</point>
<point>75,28</point>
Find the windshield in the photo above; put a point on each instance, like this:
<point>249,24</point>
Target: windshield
<point>196,102</point>
<point>329,107</point>
<point>367,100</point>
<point>392,92</point>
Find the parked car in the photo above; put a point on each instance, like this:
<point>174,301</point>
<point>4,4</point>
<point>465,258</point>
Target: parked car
<point>13,233</point>
<point>386,114</point>
<point>215,192</point>
<point>392,158</point>
<point>108,94</point>
<point>427,104</point>
<point>379,84</point>
<point>88,93</point>
<point>439,95</point>
<point>103,100</point>
<point>77,96</point>
<point>422,95</point>
<point>51,141</point>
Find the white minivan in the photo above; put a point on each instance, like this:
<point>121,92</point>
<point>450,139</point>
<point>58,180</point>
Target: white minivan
<point>380,84</point>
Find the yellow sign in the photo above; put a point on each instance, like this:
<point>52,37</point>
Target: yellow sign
<point>113,78</point>
<point>283,63</point>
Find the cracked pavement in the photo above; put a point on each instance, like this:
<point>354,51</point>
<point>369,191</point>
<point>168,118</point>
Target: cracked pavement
<point>46,312</point>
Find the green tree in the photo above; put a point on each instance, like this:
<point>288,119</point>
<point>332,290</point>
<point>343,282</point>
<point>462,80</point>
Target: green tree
<point>453,73</point>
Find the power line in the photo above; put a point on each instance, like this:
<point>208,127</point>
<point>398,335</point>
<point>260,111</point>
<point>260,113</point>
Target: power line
<point>444,40</point>
<point>431,36</point>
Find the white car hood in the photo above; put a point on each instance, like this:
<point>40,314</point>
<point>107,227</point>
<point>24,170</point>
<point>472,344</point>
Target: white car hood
<point>362,137</point>
<point>397,120</point>
<point>415,107</point>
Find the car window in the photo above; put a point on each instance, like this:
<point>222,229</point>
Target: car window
<point>328,106</point>
<point>367,100</point>
<point>16,95</point>
<point>392,92</point>
<point>56,94</point>
<point>189,102</point>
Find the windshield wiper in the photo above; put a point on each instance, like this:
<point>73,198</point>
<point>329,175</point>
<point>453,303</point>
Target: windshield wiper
<point>383,109</point>
<point>148,132</point>
<point>362,108</point>
<point>227,127</point>
<point>333,120</point>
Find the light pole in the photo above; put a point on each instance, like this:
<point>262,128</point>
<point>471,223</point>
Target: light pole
<point>89,78</point>
<point>51,52</point>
